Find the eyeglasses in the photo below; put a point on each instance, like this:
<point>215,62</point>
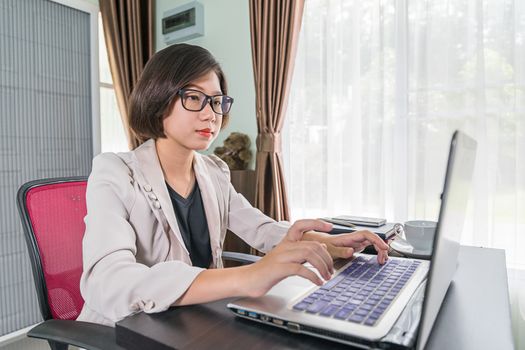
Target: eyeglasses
<point>195,101</point>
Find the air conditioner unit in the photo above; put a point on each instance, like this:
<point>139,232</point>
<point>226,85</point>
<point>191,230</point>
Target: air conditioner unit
<point>183,23</point>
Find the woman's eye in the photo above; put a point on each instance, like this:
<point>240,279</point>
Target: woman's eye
<point>192,97</point>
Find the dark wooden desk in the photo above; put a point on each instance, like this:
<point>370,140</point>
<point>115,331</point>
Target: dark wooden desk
<point>474,315</point>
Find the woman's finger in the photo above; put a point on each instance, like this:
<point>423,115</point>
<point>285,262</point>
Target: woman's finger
<point>382,256</point>
<point>300,270</point>
<point>361,246</point>
<point>360,237</point>
<point>375,240</point>
<point>283,250</point>
<point>295,233</point>
<point>322,250</point>
<point>306,253</point>
<point>340,252</point>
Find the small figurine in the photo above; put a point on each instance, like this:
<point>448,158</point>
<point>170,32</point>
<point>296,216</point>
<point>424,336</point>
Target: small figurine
<point>235,151</point>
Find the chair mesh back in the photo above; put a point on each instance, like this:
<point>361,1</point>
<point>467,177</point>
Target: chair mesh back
<point>56,213</point>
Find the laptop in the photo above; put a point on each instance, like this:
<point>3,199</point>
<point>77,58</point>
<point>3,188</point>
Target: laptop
<point>378,306</point>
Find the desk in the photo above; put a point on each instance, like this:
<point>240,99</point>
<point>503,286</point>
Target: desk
<point>475,315</point>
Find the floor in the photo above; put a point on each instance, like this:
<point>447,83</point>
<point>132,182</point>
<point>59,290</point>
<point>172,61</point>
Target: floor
<point>29,344</point>
<point>26,344</point>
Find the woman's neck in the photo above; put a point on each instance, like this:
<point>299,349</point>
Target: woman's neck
<point>177,165</point>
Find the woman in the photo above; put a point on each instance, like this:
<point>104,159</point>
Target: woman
<point>157,216</point>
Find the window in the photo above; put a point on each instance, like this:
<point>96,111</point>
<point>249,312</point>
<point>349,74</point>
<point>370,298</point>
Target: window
<point>113,137</point>
<point>379,87</point>
<point>46,128</point>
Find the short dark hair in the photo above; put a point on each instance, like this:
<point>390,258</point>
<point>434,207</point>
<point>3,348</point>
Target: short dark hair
<point>166,72</point>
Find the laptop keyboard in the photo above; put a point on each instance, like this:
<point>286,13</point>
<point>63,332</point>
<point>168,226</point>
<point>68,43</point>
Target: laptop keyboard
<point>361,292</point>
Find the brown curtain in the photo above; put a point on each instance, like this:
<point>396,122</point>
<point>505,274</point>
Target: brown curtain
<point>275,27</point>
<point>129,33</point>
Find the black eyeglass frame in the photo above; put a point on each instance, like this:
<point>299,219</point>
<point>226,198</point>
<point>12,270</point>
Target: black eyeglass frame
<point>207,100</point>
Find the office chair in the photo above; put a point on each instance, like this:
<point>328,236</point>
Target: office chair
<point>52,213</point>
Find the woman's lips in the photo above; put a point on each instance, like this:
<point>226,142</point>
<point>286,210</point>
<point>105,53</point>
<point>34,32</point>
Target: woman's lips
<point>205,133</point>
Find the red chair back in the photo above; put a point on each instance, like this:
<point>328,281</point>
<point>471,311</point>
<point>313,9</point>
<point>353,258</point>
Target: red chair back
<point>52,213</point>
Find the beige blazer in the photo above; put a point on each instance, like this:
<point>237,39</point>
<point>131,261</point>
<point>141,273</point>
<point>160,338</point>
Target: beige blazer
<point>134,257</point>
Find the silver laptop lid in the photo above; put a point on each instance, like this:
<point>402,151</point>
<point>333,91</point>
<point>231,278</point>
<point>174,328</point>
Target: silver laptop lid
<point>452,215</point>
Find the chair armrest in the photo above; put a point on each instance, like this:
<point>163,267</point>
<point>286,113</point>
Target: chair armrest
<point>85,335</point>
<point>240,257</point>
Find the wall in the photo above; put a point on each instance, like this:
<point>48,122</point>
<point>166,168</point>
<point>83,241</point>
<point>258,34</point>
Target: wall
<point>227,37</point>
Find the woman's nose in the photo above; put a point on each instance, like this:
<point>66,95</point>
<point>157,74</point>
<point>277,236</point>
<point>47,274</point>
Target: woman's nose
<point>207,113</point>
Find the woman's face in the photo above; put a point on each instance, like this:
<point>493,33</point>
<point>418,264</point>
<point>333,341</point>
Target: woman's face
<point>195,130</point>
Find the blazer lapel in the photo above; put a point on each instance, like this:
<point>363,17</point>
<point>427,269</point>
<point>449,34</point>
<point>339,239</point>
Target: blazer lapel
<point>211,205</point>
<point>149,164</point>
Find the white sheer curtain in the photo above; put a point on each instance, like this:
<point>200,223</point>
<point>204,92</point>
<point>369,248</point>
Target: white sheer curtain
<point>379,86</point>
<point>113,138</point>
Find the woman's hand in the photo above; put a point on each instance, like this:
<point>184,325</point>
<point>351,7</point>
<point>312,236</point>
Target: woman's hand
<point>344,245</point>
<point>301,244</point>
<point>287,259</point>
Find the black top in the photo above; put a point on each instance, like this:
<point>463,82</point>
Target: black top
<point>193,225</point>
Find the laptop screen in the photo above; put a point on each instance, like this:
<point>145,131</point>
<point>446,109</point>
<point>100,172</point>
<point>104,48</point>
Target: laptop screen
<point>452,215</point>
